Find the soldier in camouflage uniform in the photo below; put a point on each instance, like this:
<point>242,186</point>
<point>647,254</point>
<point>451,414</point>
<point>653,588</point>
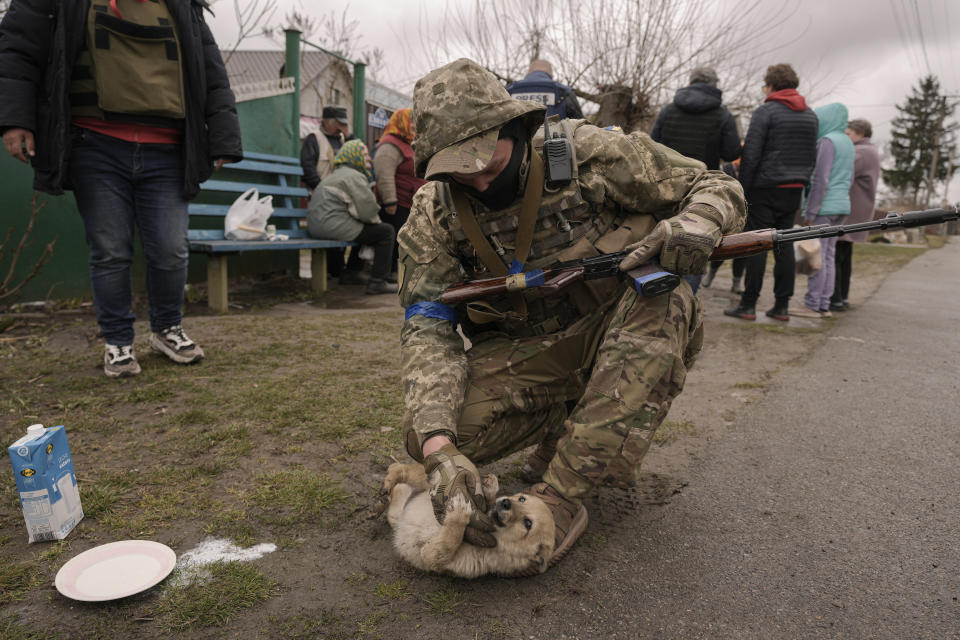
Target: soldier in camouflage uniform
<point>588,373</point>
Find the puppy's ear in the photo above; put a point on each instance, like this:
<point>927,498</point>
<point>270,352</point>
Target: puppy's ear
<point>542,558</point>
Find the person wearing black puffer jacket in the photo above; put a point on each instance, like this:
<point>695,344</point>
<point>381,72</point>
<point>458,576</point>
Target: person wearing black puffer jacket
<point>127,103</point>
<point>698,125</point>
<point>779,155</point>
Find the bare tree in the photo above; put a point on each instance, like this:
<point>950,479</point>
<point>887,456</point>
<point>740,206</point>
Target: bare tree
<point>251,17</point>
<point>624,55</point>
<point>9,287</point>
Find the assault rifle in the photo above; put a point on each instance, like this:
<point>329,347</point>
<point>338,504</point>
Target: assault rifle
<point>651,280</point>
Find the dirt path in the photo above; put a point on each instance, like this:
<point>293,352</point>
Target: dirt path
<point>282,436</point>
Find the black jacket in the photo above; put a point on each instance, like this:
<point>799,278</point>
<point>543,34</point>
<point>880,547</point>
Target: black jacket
<point>697,125</point>
<point>39,42</point>
<point>780,148</point>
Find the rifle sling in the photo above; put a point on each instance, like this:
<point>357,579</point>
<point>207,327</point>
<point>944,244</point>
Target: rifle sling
<point>528,220</point>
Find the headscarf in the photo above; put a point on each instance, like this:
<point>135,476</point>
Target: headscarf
<point>400,124</point>
<point>353,153</point>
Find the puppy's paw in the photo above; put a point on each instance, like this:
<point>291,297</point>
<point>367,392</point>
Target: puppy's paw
<point>458,509</point>
<point>395,474</point>
<point>490,487</point>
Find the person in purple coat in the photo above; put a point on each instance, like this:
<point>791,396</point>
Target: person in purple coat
<point>863,195</point>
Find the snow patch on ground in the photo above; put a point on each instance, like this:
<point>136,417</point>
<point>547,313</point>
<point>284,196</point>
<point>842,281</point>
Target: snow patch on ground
<point>192,564</point>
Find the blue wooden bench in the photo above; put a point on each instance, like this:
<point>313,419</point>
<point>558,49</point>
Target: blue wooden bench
<point>286,216</point>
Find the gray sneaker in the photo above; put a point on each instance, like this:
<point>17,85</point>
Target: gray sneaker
<point>174,343</point>
<point>119,361</point>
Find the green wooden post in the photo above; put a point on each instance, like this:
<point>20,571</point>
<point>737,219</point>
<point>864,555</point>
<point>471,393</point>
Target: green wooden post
<point>360,101</point>
<point>292,67</point>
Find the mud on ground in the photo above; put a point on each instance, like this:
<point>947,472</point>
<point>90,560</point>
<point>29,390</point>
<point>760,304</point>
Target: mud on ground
<point>283,434</point>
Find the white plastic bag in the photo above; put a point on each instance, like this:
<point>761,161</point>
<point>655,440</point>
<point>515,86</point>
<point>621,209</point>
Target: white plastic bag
<point>807,253</point>
<point>247,217</point>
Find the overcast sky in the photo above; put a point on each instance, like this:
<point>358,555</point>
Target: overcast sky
<point>864,53</point>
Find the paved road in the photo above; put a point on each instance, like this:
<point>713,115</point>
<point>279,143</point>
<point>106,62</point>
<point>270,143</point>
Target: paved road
<point>832,510</point>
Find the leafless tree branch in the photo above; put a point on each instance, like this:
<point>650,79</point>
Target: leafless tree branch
<point>6,290</point>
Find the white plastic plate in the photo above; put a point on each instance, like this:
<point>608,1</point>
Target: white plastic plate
<point>115,570</point>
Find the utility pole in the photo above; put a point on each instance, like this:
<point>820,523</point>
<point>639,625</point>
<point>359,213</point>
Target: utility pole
<point>938,132</point>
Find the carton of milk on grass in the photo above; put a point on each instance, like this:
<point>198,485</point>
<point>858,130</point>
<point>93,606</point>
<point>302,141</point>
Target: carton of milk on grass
<point>46,483</point>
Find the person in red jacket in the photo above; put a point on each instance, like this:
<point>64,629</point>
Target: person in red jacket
<point>393,166</point>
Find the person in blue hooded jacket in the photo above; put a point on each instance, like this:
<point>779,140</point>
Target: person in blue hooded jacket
<point>827,202</point>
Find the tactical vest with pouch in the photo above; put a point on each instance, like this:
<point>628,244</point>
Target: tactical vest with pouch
<point>130,68</point>
<point>567,228</point>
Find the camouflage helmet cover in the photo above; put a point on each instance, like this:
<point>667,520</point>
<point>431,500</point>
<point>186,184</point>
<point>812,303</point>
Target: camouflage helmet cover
<point>459,101</point>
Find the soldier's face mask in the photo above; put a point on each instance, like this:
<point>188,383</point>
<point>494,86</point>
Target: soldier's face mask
<point>504,188</point>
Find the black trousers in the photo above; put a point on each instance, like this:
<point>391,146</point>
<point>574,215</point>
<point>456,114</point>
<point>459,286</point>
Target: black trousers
<point>380,237</point>
<point>844,262</point>
<point>770,208</point>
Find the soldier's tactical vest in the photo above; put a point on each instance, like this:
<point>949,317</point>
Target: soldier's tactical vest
<point>129,69</point>
<point>567,228</point>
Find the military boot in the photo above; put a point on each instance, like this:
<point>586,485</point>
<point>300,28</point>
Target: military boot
<point>569,518</point>
<point>538,461</point>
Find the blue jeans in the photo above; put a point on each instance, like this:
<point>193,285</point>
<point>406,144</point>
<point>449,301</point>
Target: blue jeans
<point>119,184</point>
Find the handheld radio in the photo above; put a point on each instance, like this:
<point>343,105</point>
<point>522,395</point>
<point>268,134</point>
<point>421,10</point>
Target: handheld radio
<point>558,158</point>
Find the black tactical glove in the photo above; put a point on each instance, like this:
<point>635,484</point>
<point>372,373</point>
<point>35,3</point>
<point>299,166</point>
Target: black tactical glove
<point>682,243</point>
<point>450,473</point>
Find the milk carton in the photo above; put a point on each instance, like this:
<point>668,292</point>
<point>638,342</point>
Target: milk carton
<point>46,482</point>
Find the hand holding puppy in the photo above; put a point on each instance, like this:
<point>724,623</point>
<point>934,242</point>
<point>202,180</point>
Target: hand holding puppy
<point>451,473</point>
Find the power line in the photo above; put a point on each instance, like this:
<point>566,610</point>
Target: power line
<point>953,61</point>
<point>923,44</point>
<point>904,40</point>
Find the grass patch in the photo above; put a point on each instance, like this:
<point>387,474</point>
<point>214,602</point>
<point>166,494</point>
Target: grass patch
<point>10,627</point>
<point>231,523</point>
<point>444,601</point>
<point>16,578</point>
<point>393,591</point>
<point>100,495</point>
<point>355,578</point>
<point>878,253</point>
<point>672,430</point>
<point>750,385</point>
<point>230,589</point>
<point>298,496</point>
<point>305,627</point>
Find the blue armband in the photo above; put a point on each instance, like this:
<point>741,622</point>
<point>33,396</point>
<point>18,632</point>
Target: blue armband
<point>432,310</point>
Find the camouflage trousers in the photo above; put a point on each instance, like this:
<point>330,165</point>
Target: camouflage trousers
<point>619,368</point>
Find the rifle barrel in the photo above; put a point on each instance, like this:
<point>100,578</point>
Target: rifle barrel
<point>906,220</point>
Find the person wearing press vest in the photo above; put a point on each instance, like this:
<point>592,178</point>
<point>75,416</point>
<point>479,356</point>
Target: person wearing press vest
<point>127,103</point>
<point>539,86</point>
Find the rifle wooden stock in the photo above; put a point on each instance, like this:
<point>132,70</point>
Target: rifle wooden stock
<point>741,245</point>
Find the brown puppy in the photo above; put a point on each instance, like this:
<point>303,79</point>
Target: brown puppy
<point>524,528</point>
